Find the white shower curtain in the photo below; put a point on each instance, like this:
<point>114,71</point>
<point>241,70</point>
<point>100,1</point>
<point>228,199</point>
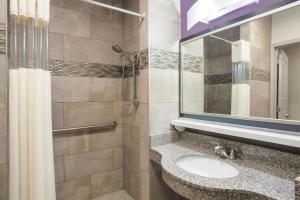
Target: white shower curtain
<point>31,167</point>
<point>240,92</point>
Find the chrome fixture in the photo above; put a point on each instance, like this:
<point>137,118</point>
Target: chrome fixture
<point>130,59</point>
<point>222,153</point>
<point>114,8</point>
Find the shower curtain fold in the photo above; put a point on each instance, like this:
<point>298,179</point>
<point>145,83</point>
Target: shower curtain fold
<point>31,169</point>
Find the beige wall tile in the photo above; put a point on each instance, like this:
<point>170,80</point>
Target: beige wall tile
<point>167,9</point>
<point>130,27</point>
<point>70,89</point>
<point>3,83</point>
<point>71,145</point>
<point>138,118</point>
<point>167,41</point>
<point>118,157</point>
<point>106,182</point>
<point>59,169</point>
<point>131,138</point>
<point>87,114</point>
<point>56,46</point>
<point>3,11</point>
<point>143,86</point>
<point>74,190</point>
<point>3,136</point>
<point>3,182</point>
<point>132,44</point>
<point>131,161</point>
<point>106,139</point>
<point>132,184</point>
<point>105,30</point>
<point>90,50</point>
<point>160,116</point>
<point>69,22</point>
<point>164,86</point>
<point>83,164</point>
<point>118,115</point>
<point>105,89</point>
<point>57,115</point>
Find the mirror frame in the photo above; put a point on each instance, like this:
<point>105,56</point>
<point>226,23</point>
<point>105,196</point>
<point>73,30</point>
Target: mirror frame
<point>279,124</point>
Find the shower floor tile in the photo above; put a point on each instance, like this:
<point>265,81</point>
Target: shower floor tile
<point>118,195</point>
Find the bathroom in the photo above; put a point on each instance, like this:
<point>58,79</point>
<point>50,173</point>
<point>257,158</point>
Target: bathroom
<point>149,99</point>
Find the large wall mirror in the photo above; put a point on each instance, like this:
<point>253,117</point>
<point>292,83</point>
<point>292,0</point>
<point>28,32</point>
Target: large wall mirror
<point>249,70</point>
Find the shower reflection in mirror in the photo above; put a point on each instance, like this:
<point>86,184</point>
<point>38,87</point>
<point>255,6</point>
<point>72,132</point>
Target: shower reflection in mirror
<point>250,70</point>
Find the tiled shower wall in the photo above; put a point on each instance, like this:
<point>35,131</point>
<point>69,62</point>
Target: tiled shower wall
<point>3,104</point>
<point>218,68</point>
<point>136,121</point>
<point>86,91</point>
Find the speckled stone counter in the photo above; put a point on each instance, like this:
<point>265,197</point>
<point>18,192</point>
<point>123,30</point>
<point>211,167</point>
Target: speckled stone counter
<point>256,180</point>
<point>297,188</point>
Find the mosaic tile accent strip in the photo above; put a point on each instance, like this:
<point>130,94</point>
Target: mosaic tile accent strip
<point>255,74</point>
<point>144,59</point>
<point>193,63</point>
<point>162,59</point>
<point>2,38</point>
<point>218,79</point>
<point>80,69</point>
<point>260,75</point>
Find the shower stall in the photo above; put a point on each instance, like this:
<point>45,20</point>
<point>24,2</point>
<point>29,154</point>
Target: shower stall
<point>73,73</point>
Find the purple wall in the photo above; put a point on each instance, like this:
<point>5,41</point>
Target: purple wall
<point>199,27</point>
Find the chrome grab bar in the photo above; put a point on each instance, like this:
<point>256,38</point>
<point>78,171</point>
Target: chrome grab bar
<point>83,129</point>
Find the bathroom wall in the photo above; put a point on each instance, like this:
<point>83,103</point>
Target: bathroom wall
<point>293,53</point>
<point>3,104</point>
<point>86,91</point>
<point>136,121</point>
<point>192,77</point>
<point>164,35</point>
<point>163,18</point>
<point>258,33</point>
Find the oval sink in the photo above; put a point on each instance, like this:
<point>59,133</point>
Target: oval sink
<point>207,167</point>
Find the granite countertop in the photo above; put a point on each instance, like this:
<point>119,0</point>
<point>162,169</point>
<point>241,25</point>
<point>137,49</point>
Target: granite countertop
<point>249,181</point>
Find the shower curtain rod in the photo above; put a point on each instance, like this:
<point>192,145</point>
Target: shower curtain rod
<point>115,8</point>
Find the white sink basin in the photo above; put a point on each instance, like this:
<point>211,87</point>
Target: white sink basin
<point>207,167</point>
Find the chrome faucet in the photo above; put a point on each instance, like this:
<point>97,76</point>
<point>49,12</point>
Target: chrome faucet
<point>221,152</point>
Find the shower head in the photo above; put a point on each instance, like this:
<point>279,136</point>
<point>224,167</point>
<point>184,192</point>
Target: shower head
<point>117,48</point>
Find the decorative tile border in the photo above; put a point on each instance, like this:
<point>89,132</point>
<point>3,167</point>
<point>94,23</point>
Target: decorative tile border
<point>260,75</point>
<point>193,63</point>
<point>144,59</point>
<point>81,69</point>
<point>2,38</point>
<point>218,79</point>
<point>255,74</point>
<point>162,59</point>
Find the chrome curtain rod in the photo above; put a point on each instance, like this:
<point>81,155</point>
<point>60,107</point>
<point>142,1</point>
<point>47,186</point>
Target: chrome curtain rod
<point>227,41</point>
<point>114,8</point>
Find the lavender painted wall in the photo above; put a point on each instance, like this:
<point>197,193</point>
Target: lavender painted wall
<point>262,6</point>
